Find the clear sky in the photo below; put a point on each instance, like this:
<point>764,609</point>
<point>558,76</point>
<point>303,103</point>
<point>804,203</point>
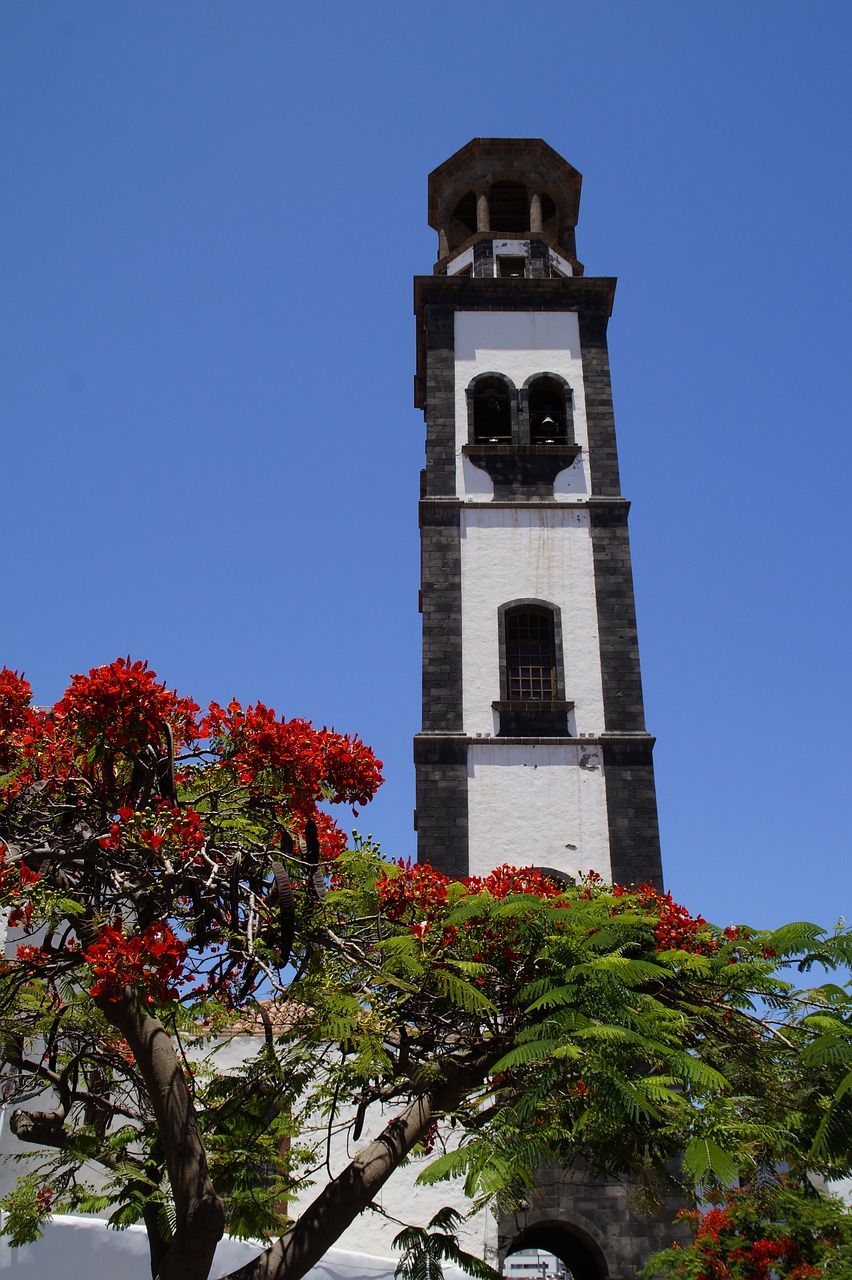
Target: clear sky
<point>211,215</point>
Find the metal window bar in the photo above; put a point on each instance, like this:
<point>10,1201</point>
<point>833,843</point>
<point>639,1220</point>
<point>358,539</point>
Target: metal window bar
<point>530,657</point>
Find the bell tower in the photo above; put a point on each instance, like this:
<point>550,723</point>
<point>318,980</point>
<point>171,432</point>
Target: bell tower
<point>533,748</point>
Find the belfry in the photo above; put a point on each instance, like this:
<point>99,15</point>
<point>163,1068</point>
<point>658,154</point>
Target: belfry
<point>533,748</point>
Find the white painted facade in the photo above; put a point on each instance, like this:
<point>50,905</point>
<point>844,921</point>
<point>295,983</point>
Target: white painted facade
<point>519,344</point>
<point>549,799</point>
<point>511,553</point>
<point>74,1247</point>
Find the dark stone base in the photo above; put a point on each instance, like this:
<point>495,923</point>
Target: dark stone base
<point>592,1225</point>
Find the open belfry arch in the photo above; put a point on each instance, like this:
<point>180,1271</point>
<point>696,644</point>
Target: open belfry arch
<point>533,749</point>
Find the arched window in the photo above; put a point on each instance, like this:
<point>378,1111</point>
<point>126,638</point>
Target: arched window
<point>530,655</point>
<point>492,411</point>
<point>549,402</point>
<point>463,221</point>
<point>532,680</point>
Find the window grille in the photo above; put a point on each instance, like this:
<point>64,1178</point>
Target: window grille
<point>531,667</point>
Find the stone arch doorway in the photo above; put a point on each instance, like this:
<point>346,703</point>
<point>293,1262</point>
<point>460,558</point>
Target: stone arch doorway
<point>581,1255</point>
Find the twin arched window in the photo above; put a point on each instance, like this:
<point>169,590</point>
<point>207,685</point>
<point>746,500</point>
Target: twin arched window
<point>540,413</point>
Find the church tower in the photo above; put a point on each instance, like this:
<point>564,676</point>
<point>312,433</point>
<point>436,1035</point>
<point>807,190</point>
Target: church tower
<point>533,748</point>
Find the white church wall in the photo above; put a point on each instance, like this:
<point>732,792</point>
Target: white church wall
<point>541,805</point>
<point>520,344</point>
<point>401,1201</point>
<point>80,1248</point>
<point>515,554</point>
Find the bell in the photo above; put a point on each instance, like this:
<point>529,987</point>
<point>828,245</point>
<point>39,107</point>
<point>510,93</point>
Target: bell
<point>547,421</point>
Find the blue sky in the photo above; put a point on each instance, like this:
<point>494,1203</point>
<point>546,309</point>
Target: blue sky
<point>211,215</point>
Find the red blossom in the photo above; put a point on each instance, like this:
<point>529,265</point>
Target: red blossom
<point>505,880</point>
<point>152,961</point>
<point>15,697</point>
<point>430,1137</point>
<point>121,708</point>
<point>306,762</point>
<point>417,892</point>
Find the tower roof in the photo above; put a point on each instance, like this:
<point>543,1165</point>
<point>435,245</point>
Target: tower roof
<point>483,161</point>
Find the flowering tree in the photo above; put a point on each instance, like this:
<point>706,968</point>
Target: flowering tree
<point>167,874</point>
<point>775,1226</point>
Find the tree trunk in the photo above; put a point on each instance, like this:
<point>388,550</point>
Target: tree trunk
<point>199,1211</point>
<point>347,1195</point>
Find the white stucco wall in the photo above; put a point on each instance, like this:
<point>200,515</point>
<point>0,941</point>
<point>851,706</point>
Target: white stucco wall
<point>519,344</point>
<point>529,804</point>
<point>542,805</point>
<point>401,1199</point>
<point>363,1252</point>
<point>79,1248</point>
<point>519,554</point>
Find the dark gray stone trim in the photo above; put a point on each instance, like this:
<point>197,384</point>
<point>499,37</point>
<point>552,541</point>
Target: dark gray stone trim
<point>525,471</point>
<point>442,812</point>
<point>631,801</point>
<point>603,456</point>
<point>519,740</point>
<point>538,259</point>
<point>593,1223</point>
<point>438,332</point>
<point>483,259</point>
<point>586,294</point>
<point>619,644</point>
<point>440,560</point>
<point>585,504</point>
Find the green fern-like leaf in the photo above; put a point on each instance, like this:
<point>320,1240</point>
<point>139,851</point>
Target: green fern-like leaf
<point>465,995</point>
<point>704,1158</point>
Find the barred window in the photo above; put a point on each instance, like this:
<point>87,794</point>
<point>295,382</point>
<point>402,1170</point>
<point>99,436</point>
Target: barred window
<point>530,656</point>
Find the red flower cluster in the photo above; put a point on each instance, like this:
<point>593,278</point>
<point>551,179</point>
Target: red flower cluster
<point>419,891</point>
<point>505,880</point>
<point>152,961</point>
<point>181,831</point>
<point>121,707</point>
<point>29,745</point>
<point>677,930</point>
<point>15,880</point>
<point>15,698</point>
<point>417,895</point>
<point>731,1243</point>
<point>422,890</point>
<point>306,760</point>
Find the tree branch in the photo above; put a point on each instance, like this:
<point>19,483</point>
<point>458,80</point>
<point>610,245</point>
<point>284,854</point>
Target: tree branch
<point>346,1196</point>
